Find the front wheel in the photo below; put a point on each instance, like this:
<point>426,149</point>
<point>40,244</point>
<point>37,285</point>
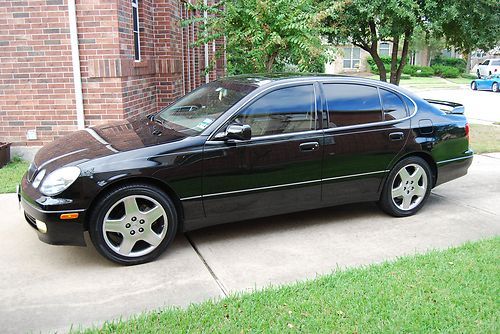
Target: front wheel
<point>407,187</point>
<point>133,224</point>
<point>473,85</point>
<point>495,87</point>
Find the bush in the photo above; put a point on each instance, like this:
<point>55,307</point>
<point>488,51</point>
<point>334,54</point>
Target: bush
<point>457,63</point>
<point>446,71</point>
<point>405,76</point>
<point>418,71</point>
<point>450,72</point>
<point>387,64</point>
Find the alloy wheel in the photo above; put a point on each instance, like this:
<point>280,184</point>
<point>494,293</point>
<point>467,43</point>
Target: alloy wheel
<point>135,225</point>
<point>409,187</point>
<point>495,87</point>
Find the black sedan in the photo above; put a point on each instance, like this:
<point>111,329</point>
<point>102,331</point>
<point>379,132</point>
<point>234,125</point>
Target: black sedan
<point>239,148</point>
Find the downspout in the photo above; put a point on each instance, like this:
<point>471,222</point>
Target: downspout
<point>205,15</point>
<point>75,56</point>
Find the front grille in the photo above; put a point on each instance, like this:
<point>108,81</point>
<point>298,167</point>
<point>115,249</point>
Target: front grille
<point>30,220</point>
<point>31,171</point>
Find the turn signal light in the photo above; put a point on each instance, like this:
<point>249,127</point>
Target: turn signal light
<point>69,215</point>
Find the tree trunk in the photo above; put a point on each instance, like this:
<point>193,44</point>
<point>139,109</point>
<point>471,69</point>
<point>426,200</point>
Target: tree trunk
<point>270,62</point>
<point>394,59</point>
<point>404,55</point>
<point>467,56</point>
<point>380,65</point>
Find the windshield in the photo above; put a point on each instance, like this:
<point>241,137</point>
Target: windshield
<point>197,110</point>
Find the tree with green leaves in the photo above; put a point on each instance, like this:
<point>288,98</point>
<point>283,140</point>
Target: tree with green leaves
<point>468,25</point>
<point>265,35</point>
<point>464,24</point>
<point>366,23</point>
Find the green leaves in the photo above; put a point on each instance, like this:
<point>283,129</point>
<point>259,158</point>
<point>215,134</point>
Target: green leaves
<point>268,35</point>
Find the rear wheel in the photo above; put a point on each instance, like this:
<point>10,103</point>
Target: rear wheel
<point>495,87</point>
<point>473,85</point>
<point>407,187</point>
<point>478,74</point>
<point>133,224</point>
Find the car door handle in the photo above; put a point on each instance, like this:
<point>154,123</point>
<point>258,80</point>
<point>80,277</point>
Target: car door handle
<point>396,136</point>
<point>310,146</point>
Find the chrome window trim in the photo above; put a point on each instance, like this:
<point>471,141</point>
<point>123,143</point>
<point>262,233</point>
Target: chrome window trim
<point>322,81</point>
<point>282,185</point>
<point>455,159</point>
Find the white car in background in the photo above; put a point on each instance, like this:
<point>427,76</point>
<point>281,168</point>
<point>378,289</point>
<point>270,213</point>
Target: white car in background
<point>488,67</point>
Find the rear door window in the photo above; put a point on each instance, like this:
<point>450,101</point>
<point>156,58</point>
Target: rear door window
<point>393,106</point>
<point>352,104</point>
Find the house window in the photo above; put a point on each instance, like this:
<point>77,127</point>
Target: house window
<point>135,18</point>
<point>352,57</point>
<point>383,49</point>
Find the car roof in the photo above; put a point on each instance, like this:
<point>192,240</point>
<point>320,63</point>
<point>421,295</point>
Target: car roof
<point>262,80</point>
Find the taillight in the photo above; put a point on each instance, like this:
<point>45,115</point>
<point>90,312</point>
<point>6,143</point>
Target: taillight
<point>467,130</point>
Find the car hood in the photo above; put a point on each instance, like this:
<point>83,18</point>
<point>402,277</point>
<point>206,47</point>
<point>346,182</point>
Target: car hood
<point>102,140</point>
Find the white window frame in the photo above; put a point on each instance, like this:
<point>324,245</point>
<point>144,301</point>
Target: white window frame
<point>385,45</point>
<point>351,58</point>
<point>137,48</point>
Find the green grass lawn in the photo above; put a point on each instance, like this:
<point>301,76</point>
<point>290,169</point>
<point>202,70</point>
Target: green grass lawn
<point>485,138</point>
<point>452,291</point>
<point>11,174</point>
<point>431,82</point>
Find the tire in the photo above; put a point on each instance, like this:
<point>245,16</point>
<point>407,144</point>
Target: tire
<point>133,224</point>
<point>403,196</point>
<point>478,74</point>
<point>495,87</point>
<point>473,85</point>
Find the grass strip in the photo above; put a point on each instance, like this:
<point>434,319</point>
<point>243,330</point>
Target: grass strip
<point>11,174</point>
<point>451,291</point>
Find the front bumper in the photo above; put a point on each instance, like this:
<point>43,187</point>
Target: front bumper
<point>51,228</point>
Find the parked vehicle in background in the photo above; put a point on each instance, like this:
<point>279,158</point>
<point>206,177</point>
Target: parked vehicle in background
<point>490,82</point>
<point>240,148</point>
<point>488,67</point>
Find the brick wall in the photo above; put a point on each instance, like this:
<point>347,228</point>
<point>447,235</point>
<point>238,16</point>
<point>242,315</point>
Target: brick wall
<point>36,78</point>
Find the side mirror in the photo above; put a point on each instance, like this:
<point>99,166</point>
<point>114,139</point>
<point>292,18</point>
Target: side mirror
<point>239,132</point>
<point>235,131</point>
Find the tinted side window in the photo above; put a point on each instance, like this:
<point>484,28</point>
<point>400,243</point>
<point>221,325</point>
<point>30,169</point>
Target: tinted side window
<point>284,110</point>
<point>351,104</point>
<point>495,62</point>
<point>394,108</point>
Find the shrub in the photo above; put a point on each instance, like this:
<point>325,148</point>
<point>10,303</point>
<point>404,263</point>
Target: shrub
<point>446,71</point>
<point>458,63</point>
<point>387,64</point>
<point>450,72</point>
<point>418,71</point>
<point>405,76</point>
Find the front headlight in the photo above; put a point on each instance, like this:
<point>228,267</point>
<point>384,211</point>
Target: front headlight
<point>38,178</point>
<point>59,180</point>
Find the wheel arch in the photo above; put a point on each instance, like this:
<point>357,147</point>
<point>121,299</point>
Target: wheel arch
<point>143,180</point>
<point>427,158</point>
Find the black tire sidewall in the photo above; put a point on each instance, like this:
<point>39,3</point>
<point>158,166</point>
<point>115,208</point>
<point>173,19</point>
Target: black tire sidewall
<point>386,202</point>
<point>108,200</point>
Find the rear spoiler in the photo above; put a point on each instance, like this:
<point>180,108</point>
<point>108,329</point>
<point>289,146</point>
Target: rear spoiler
<point>448,107</point>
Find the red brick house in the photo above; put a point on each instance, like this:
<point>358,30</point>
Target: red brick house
<point>69,64</point>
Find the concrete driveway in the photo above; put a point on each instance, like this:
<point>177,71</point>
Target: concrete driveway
<point>49,288</point>
<point>480,106</point>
